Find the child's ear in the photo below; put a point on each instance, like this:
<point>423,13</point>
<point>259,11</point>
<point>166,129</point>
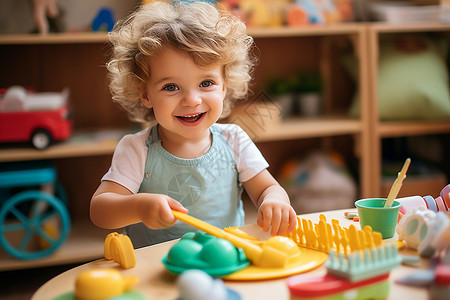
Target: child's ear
<point>224,88</point>
<point>145,100</point>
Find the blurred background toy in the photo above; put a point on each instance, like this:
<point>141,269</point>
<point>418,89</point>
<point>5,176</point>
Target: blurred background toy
<point>34,221</point>
<point>57,16</point>
<point>39,118</point>
<point>47,16</point>
<point>104,20</point>
<point>317,181</point>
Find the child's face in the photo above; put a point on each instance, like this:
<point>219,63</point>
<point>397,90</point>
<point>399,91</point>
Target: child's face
<point>186,99</point>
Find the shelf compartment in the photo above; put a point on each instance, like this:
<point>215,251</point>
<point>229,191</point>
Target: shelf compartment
<point>299,128</point>
<point>85,243</point>
<point>81,144</point>
<point>312,30</point>
<point>412,128</point>
<point>54,38</point>
<point>383,27</point>
<point>101,37</point>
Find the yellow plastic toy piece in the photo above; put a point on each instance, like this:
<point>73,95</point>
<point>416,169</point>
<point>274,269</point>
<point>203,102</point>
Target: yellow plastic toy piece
<point>240,233</point>
<point>98,284</point>
<point>118,247</point>
<point>326,237</point>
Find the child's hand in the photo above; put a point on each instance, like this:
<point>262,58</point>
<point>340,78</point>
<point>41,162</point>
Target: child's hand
<point>276,214</point>
<point>155,210</point>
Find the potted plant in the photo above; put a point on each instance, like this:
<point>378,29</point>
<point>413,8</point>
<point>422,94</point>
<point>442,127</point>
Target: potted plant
<point>308,86</point>
<point>280,90</point>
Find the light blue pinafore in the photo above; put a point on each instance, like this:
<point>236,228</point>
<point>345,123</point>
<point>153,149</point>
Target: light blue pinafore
<point>208,186</point>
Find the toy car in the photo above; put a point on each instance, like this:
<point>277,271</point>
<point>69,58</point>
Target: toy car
<point>39,118</point>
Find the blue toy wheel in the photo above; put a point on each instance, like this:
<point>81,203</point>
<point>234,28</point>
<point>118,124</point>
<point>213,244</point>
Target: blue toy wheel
<point>23,219</point>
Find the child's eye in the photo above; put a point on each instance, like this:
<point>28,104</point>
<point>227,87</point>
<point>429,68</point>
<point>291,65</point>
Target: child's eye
<point>170,87</point>
<point>206,83</point>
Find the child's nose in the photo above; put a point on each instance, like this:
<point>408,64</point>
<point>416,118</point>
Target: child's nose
<point>191,98</point>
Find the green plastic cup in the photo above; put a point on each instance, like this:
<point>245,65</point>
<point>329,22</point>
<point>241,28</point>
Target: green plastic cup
<point>382,219</point>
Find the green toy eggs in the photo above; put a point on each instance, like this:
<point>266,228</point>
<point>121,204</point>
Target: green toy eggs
<point>215,256</point>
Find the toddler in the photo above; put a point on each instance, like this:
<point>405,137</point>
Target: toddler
<point>182,66</point>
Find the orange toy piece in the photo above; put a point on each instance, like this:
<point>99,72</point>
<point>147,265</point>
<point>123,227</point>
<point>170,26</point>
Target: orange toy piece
<point>118,247</point>
<point>296,16</point>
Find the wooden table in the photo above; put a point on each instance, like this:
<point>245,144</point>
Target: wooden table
<point>157,283</point>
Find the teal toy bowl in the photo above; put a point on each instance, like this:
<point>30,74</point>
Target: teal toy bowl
<point>215,256</point>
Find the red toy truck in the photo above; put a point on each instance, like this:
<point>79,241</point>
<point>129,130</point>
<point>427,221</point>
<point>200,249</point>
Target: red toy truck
<point>39,118</point>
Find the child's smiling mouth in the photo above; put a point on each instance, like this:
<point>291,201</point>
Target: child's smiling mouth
<point>191,118</point>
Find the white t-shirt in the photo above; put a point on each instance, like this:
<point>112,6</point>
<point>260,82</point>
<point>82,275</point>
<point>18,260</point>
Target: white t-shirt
<point>128,163</point>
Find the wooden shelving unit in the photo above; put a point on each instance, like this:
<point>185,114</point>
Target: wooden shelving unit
<point>85,243</point>
<point>379,130</point>
<point>51,62</point>
<point>298,128</point>
<point>54,38</point>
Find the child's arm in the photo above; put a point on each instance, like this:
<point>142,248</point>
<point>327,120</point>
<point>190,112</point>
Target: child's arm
<point>113,206</point>
<point>274,208</point>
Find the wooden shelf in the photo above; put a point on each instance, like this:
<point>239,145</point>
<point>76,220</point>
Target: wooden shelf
<point>79,145</point>
<point>312,30</point>
<point>411,128</point>
<point>86,144</point>
<point>265,32</point>
<point>377,130</point>
<point>383,27</point>
<point>85,243</point>
<point>54,38</point>
<point>298,128</point>
<point>102,37</point>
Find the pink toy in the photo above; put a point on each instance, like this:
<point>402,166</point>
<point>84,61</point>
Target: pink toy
<point>38,118</point>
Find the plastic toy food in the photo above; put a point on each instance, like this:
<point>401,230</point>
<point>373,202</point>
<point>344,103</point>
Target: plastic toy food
<point>37,118</point>
<point>118,247</point>
<point>215,256</point>
<point>99,284</point>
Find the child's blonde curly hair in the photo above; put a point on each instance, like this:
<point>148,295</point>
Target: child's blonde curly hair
<point>210,36</point>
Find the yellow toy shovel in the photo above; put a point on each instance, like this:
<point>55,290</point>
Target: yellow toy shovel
<point>276,252</point>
